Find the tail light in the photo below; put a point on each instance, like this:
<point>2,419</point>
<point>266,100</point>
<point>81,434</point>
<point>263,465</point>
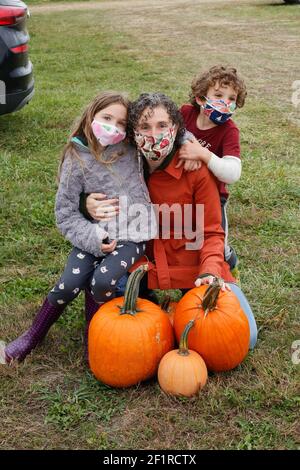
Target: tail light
<point>11,15</point>
<point>19,49</point>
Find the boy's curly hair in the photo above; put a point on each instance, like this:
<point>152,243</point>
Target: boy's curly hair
<point>223,75</point>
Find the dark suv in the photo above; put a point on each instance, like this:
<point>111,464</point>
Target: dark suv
<point>16,77</point>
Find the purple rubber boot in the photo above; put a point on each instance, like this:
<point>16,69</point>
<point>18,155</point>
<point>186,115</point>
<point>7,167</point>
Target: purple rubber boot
<point>24,344</point>
<point>91,308</point>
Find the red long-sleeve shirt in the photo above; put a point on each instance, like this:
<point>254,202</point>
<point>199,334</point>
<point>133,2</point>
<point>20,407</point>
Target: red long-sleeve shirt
<point>222,140</point>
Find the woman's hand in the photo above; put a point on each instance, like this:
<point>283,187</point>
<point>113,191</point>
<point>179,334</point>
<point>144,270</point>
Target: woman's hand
<point>100,208</point>
<point>109,247</point>
<point>209,280</point>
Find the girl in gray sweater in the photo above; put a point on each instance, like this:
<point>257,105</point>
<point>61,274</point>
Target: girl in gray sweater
<point>97,158</point>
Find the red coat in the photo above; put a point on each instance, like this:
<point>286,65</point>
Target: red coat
<point>173,265</point>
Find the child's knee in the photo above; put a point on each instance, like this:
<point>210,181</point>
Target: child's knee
<point>63,292</point>
<point>103,286</point>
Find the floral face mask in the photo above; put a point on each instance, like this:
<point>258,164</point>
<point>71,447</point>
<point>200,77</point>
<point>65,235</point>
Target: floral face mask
<point>107,134</point>
<point>218,111</point>
<point>156,148</point>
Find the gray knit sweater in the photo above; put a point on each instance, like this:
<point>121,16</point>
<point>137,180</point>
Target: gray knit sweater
<point>123,179</point>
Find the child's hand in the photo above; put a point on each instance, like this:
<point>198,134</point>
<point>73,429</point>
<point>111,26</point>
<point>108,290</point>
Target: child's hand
<point>209,280</point>
<point>109,247</point>
<point>189,165</point>
<point>100,208</point>
<point>193,150</point>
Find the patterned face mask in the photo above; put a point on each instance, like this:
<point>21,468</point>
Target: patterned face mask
<point>107,134</point>
<point>156,148</point>
<point>218,111</point>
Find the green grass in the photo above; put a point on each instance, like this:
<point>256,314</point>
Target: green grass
<point>51,400</point>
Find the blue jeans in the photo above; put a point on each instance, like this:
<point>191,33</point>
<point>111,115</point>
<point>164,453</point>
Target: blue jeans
<point>247,309</point>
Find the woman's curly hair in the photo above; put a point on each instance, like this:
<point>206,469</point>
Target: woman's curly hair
<point>225,76</point>
<point>152,101</point>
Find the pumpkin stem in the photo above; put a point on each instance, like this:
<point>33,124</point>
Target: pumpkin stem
<point>132,290</point>
<point>183,345</point>
<point>210,297</point>
<point>166,303</point>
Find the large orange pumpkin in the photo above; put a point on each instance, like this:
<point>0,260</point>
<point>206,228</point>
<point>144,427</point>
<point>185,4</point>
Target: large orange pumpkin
<point>182,372</point>
<point>221,334</point>
<point>128,336</point>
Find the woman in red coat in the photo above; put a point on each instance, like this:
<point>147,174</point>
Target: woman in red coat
<point>191,238</point>
<point>189,249</point>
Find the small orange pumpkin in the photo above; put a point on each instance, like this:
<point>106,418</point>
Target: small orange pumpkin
<point>128,337</point>
<point>221,334</point>
<point>169,306</point>
<point>182,372</point>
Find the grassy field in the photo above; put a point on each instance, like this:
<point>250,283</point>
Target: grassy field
<point>51,400</point>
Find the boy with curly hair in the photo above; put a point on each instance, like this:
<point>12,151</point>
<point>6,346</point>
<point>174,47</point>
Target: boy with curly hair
<point>214,96</point>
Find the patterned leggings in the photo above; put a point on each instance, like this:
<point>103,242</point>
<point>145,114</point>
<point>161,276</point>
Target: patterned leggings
<point>100,275</point>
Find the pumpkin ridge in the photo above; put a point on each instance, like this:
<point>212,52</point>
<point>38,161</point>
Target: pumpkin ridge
<point>93,340</point>
<point>123,362</point>
<point>221,333</point>
<point>172,370</point>
<point>113,326</point>
<point>184,373</point>
<point>226,302</point>
<point>228,332</point>
<point>194,371</point>
<point>241,322</point>
<point>214,335</point>
<point>144,334</point>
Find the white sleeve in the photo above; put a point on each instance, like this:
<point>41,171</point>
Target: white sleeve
<point>227,169</point>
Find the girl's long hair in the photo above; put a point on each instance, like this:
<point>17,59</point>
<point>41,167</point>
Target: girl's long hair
<point>82,127</point>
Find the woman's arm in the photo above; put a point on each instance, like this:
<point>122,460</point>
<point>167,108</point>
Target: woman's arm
<point>95,206</point>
